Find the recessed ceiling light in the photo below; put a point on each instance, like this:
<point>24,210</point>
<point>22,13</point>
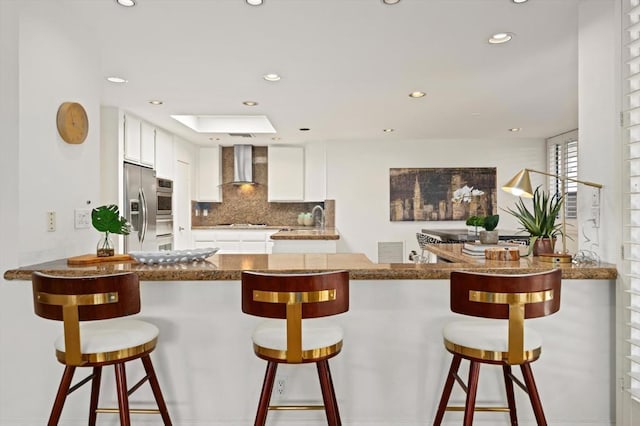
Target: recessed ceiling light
<point>519,1</point>
<point>514,129</point>
<point>275,138</point>
<point>255,2</point>
<point>214,139</point>
<point>304,129</point>
<point>156,102</point>
<point>388,130</point>
<point>271,77</point>
<point>499,38</point>
<point>390,1</point>
<point>417,94</point>
<point>115,79</point>
<point>126,3</point>
<point>250,103</point>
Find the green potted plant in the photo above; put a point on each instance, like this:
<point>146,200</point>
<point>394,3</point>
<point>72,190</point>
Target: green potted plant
<point>489,223</point>
<point>107,219</point>
<point>540,220</point>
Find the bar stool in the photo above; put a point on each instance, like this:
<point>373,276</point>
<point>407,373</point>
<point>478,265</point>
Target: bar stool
<point>495,341</point>
<point>295,332</point>
<point>95,336</point>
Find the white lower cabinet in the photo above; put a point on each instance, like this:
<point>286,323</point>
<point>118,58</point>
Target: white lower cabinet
<point>231,241</point>
<point>304,246</point>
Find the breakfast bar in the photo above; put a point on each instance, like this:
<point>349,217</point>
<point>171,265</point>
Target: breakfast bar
<point>393,362</point>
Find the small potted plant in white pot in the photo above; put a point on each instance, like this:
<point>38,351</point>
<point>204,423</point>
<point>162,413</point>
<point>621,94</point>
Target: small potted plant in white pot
<point>489,223</point>
<point>107,219</point>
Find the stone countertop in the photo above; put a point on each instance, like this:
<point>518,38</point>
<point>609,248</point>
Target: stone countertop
<point>230,266</point>
<point>284,232</point>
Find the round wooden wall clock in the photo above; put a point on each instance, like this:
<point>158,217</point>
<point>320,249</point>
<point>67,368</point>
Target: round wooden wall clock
<point>72,122</point>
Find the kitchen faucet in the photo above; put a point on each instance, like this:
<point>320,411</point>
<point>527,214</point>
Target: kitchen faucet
<point>320,223</point>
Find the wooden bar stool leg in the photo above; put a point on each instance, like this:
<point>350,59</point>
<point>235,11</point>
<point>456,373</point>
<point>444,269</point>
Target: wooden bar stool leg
<point>95,395</point>
<point>472,384</point>
<point>328,393</point>
<point>61,396</point>
<point>533,394</point>
<point>155,387</point>
<point>265,394</point>
<point>123,398</point>
<point>511,401</point>
<point>333,393</point>
<point>448,386</point>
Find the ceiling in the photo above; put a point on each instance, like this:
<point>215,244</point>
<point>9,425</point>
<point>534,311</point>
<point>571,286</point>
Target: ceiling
<point>347,66</point>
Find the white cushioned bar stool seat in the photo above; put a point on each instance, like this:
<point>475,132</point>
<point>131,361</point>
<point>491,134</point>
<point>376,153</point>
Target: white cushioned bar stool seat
<point>487,339</point>
<point>318,336</point>
<point>112,339</point>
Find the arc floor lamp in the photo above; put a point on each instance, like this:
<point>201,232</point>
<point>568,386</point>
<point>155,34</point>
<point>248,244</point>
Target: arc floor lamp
<point>520,186</point>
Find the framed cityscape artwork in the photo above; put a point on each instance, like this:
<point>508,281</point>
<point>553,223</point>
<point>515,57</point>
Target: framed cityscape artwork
<point>441,193</point>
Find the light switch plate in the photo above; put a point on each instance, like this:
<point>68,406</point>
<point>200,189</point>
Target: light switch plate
<point>82,218</point>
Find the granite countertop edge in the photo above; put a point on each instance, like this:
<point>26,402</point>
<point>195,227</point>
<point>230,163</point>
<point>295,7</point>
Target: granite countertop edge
<point>230,267</point>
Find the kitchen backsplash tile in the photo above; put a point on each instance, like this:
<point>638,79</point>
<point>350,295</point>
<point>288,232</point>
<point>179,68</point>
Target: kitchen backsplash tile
<point>248,203</point>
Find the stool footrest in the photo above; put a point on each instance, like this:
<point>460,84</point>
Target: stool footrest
<point>296,407</point>
<point>131,410</point>
<point>462,408</point>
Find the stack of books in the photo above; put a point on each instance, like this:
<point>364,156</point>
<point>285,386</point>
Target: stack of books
<point>477,249</point>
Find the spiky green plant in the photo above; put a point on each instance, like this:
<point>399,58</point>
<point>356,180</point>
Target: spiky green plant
<point>540,221</point>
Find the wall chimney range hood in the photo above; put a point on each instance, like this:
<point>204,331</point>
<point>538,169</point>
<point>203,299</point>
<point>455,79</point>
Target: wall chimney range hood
<point>242,165</point>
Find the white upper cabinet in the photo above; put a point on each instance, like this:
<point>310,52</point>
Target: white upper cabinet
<point>132,138</point>
<point>286,173</point>
<point>165,157</point>
<point>139,141</point>
<point>209,175</point>
<point>315,175</point>
<point>147,144</point>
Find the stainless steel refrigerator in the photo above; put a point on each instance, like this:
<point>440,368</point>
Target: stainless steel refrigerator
<point>140,208</point>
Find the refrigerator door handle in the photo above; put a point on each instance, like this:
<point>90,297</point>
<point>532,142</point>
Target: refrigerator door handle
<point>143,207</point>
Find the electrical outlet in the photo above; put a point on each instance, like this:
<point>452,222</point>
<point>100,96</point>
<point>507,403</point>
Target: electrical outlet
<point>51,221</point>
<point>281,384</point>
<point>82,218</point>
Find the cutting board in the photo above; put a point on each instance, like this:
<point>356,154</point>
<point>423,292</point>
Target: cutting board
<point>91,259</point>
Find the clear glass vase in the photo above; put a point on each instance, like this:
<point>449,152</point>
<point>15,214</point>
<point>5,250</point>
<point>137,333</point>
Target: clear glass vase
<point>105,246</point>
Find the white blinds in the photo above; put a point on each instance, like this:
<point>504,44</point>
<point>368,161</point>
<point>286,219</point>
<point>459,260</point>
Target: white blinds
<point>631,38</point>
<point>563,161</point>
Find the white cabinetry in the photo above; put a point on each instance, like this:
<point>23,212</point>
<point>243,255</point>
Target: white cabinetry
<point>235,241</point>
<point>132,138</point>
<point>286,173</point>
<point>165,157</point>
<point>139,141</point>
<point>147,144</point>
<point>209,175</point>
<point>304,246</point>
<point>315,175</point>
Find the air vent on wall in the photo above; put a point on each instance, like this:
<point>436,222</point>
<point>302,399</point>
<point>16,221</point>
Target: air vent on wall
<point>241,135</point>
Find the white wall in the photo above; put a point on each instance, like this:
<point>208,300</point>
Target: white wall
<point>40,172</point>
<point>57,64</point>
<point>358,179</point>
<point>599,137</point>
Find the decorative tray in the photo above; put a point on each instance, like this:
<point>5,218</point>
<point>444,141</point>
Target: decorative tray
<point>172,256</point>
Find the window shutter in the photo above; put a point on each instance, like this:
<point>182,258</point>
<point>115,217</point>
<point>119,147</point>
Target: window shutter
<point>562,160</point>
<point>631,121</point>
